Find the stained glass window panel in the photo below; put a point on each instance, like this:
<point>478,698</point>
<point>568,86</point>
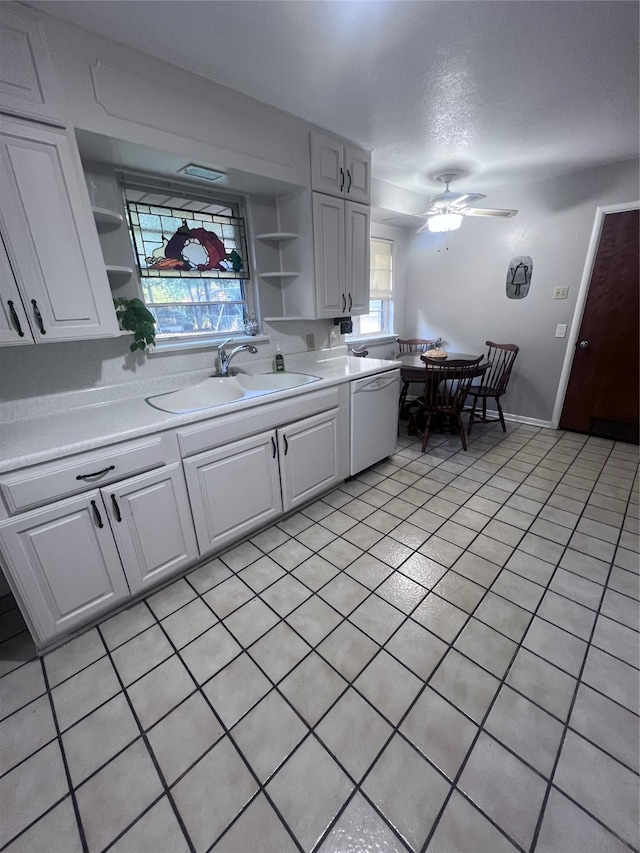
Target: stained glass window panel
<point>191,254</point>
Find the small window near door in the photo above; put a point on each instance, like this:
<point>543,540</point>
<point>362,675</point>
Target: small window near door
<point>379,320</point>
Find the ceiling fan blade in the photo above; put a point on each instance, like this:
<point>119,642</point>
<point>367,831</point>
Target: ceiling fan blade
<point>488,211</point>
<point>466,198</point>
<point>451,199</point>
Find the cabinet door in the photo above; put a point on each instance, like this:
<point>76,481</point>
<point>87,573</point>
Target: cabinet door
<point>14,326</point>
<point>308,458</point>
<point>358,252</point>
<point>50,235</point>
<point>329,256</point>
<point>28,84</point>
<point>358,174</point>
<point>327,165</point>
<point>64,564</point>
<point>151,521</point>
<point>234,489</point>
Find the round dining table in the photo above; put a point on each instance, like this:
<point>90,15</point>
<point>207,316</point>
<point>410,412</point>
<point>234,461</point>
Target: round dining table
<point>413,368</point>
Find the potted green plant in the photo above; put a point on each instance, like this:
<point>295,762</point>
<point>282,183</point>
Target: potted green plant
<point>134,316</point>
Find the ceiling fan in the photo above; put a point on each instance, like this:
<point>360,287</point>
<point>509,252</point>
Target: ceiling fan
<point>447,209</point>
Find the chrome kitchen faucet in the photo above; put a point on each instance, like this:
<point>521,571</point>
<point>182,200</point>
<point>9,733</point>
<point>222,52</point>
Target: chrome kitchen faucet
<point>224,359</point>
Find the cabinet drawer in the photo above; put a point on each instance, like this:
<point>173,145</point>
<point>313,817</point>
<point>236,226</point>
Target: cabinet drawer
<point>41,484</point>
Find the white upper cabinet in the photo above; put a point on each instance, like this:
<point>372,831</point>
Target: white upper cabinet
<point>14,325</point>
<point>50,235</point>
<point>341,248</point>
<point>329,256</point>
<point>28,84</point>
<point>358,256</point>
<point>340,169</point>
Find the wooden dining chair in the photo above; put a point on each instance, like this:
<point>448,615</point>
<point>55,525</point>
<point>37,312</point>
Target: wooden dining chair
<point>409,345</point>
<point>494,383</point>
<point>416,344</point>
<point>446,388</point>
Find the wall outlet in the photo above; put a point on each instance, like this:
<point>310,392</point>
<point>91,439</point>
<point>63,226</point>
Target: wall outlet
<point>561,330</point>
<point>560,292</point>
<point>311,344</point>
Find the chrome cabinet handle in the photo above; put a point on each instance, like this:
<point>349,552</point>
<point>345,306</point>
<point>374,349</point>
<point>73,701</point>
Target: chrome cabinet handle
<point>583,344</point>
<point>349,184</point>
<point>95,473</point>
<point>14,317</point>
<point>344,302</point>
<point>96,515</point>
<point>286,444</point>
<point>341,178</point>
<point>116,508</point>
<point>350,303</point>
<point>38,316</point>
<point>273,446</point>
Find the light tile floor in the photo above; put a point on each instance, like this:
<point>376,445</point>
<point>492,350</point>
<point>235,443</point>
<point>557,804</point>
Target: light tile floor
<point>441,655</point>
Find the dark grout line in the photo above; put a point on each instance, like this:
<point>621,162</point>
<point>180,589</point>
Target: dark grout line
<point>74,800</point>
<point>566,724</point>
<point>143,736</point>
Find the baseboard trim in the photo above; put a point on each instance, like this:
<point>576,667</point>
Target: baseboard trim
<point>520,419</point>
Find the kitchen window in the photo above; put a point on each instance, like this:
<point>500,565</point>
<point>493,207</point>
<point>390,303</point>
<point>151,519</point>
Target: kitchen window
<point>191,251</point>
<point>379,320</point>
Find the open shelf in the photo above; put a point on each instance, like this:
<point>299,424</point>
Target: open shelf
<point>278,319</point>
<point>118,274</point>
<point>282,274</point>
<point>276,236</point>
<point>107,220</point>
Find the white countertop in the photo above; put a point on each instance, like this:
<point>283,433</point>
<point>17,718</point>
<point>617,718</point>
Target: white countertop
<point>30,441</point>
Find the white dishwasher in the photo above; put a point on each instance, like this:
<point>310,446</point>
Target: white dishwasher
<point>374,418</point>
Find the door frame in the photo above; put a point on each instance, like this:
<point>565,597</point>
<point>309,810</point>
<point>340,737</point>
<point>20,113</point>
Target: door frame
<point>581,301</point>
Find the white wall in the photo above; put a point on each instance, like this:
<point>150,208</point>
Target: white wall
<point>130,97</point>
<point>456,282</point>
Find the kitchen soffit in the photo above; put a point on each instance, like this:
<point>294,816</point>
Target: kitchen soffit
<point>503,92</point>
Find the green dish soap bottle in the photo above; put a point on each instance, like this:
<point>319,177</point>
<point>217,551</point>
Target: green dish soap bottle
<point>278,361</point>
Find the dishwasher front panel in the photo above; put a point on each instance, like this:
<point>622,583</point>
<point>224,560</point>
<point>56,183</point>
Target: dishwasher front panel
<point>374,419</point>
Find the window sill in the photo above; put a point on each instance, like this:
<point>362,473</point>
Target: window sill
<point>175,345</point>
<point>374,340</point>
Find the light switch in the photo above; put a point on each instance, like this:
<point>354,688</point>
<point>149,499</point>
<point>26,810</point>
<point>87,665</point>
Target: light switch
<point>560,292</point>
<point>561,330</point>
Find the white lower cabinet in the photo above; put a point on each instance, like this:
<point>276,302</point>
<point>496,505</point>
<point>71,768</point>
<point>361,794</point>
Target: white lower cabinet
<point>244,485</point>
<point>75,558</point>
<point>152,525</point>
<point>308,458</point>
<point>234,489</point>
<point>64,563</point>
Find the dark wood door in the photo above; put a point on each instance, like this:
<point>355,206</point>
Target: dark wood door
<point>602,395</point>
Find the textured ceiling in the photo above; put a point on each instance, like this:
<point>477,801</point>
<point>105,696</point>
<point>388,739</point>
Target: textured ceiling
<point>504,92</point>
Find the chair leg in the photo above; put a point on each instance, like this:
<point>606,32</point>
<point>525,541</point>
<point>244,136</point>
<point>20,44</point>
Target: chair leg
<point>425,434</point>
<point>500,414</point>
<point>463,437</point>
<point>472,415</point>
<point>484,410</point>
<point>403,395</point>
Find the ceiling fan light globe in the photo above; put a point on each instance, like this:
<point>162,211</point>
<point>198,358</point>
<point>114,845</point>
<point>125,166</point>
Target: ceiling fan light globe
<point>444,222</point>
